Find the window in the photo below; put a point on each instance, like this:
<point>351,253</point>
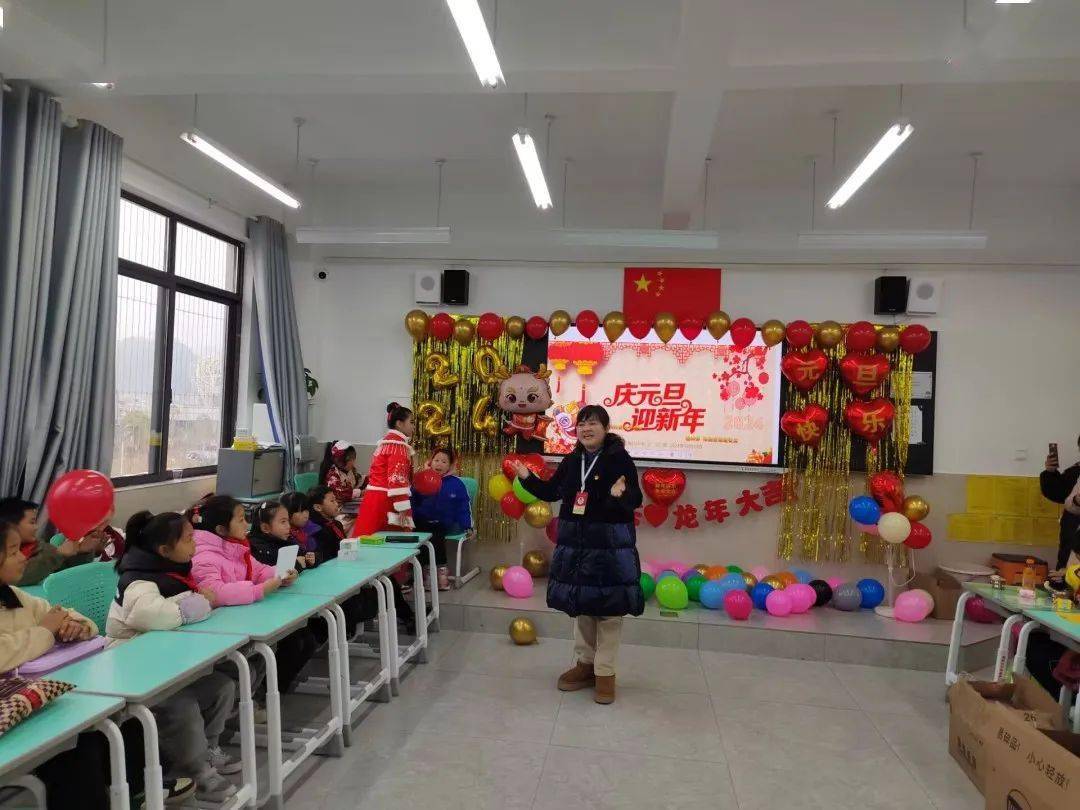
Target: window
<point>177,334</point>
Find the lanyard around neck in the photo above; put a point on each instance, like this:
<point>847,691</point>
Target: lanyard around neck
<point>585,473</point>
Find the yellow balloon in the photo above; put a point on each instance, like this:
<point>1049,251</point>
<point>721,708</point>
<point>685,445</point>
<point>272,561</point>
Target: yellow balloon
<point>498,485</point>
<point>495,577</point>
<point>718,323</point>
<point>749,579</point>
<point>464,331</point>
<point>614,325</point>
<point>523,631</point>
<point>538,514</point>
<point>433,418</point>
<point>915,507</point>
<point>535,562</point>
<point>438,365</point>
<point>829,333</point>
<point>515,326</point>
<point>559,321</point>
<point>416,322</point>
<point>1072,578</point>
<point>772,332</point>
<point>482,421</point>
<point>888,338</point>
<point>665,326</point>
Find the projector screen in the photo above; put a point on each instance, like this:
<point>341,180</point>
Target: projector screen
<point>700,401</point>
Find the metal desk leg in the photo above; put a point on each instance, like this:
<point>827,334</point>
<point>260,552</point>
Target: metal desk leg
<point>433,575</point>
<point>953,661</point>
<point>1002,662</point>
<point>154,784</point>
<point>1020,661</point>
<point>247,728</point>
<point>273,726</point>
<point>391,632</point>
<point>421,610</point>
<point>336,746</point>
<point>118,784</point>
<point>346,678</point>
<point>34,786</point>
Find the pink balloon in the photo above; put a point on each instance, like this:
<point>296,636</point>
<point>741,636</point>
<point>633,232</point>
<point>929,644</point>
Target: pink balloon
<point>651,568</point>
<point>738,605</point>
<point>679,568</point>
<point>517,582</point>
<point>910,607</point>
<point>778,603</point>
<point>925,596</point>
<point>867,528</point>
<point>802,597</point>
<point>760,572</point>
<point>835,582</point>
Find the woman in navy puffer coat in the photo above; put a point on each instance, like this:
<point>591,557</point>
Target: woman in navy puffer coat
<point>595,572</point>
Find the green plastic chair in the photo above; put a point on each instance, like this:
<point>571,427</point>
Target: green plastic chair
<point>88,588</point>
<point>459,579</point>
<point>304,482</point>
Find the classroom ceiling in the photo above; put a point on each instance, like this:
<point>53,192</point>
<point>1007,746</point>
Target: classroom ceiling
<point>641,90</point>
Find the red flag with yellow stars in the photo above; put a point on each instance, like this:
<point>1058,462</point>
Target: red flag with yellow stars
<point>693,292</point>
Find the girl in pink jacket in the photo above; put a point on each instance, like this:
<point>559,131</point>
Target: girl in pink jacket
<point>223,563</point>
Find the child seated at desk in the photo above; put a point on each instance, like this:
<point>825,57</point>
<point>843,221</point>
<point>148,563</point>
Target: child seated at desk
<point>224,563</point>
<point>156,592</point>
<point>302,530</point>
<point>271,531</point>
<point>41,556</point>
<point>445,512</point>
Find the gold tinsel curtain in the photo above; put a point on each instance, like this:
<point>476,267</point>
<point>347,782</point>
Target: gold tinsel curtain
<point>480,452</point>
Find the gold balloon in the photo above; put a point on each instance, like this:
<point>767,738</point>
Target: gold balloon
<point>829,333</point>
<point>915,507</point>
<point>772,332</point>
<point>701,568</point>
<point>888,338</point>
<point>614,325</point>
<point>775,581</point>
<point>464,331</point>
<point>489,366</point>
<point>718,323</point>
<point>438,365</point>
<point>538,514</point>
<point>534,561</point>
<point>665,325</point>
<point>433,418</point>
<point>515,326</point>
<point>523,631</point>
<point>749,579</point>
<point>559,321</point>
<point>496,575</point>
<point>416,322</point>
<point>483,421</point>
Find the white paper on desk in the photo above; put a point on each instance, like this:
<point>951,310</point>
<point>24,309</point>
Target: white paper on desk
<point>286,560</point>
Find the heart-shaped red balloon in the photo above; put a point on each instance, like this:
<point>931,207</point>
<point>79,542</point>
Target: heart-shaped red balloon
<point>663,486</point>
<point>441,326</point>
<point>508,465</point>
<point>742,332</point>
<point>799,334</point>
<point>587,323</point>
<point>871,420</point>
<point>489,326</point>
<point>864,372</point>
<point>639,327</point>
<point>690,327</point>
<point>806,426</point>
<point>804,369</point>
<point>888,490</point>
<point>536,327</point>
<point>920,536</point>
<point>655,513</point>
<point>915,338</point>
<point>861,337</point>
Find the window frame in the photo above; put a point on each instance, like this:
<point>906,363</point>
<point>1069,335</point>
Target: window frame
<point>169,284</point>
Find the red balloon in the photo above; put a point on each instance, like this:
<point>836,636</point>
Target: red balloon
<point>79,501</point>
<point>663,486</point>
<point>587,323</point>
<point>920,536</point>
<point>489,326</point>
<point>799,334</point>
<point>738,605</point>
<point>508,467</point>
<point>656,513</point>
<point>888,490</point>
<point>915,338</point>
<point>536,464</point>
<point>690,327</point>
<point>861,337</point>
<point>742,332</point>
<point>536,327</point>
<point>639,327</point>
<point>804,369</point>
<point>806,426</point>
<point>427,482</point>
<point>511,506</point>
<point>441,326</point>
<point>872,420</point>
<point>864,372</point>
<point>552,530</point>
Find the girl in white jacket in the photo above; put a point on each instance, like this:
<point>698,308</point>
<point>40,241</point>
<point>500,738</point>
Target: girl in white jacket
<point>156,592</point>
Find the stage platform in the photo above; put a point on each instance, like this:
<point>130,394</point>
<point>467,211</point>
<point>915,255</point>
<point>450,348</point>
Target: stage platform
<point>823,634</point>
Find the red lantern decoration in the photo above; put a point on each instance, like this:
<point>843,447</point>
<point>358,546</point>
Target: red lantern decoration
<point>536,327</point>
<point>489,326</point>
<point>427,482</point>
<point>861,337</point>
<point>799,334</point>
<point>742,332</point>
<point>639,327</point>
<point>441,326</point>
<point>915,338</point>
<point>587,323</point>
<point>511,506</point>
<point>79,501</point>
<point>690,327</point>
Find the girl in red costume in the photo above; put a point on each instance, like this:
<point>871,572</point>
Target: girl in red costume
<point>386,505</point>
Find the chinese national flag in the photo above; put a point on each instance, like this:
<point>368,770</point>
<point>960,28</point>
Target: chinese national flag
<point>681,291</point>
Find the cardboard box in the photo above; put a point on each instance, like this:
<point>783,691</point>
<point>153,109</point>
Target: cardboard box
<point>1031,768</point>
<point>945,589</point>
<point>972,708</point>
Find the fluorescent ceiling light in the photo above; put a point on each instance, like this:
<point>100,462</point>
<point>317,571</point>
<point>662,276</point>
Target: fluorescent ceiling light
<point>215,152</point>
<point>103,85</point>
<point>687,240</point>
<point>1012,2</point>
<point>525,147</point>
<point>474,33</point>
<point>310,235</point>
<point>1,16</point>
<point>893,240</point>
<point>892,139</point>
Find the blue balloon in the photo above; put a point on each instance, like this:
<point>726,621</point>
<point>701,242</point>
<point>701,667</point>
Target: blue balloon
<point>667,573</point>
<point>712,594</point>
<point>804,576</point>
<point>732,581</point>
<point>864,510</point>
<point>759,593</point>
<point>873,593</point>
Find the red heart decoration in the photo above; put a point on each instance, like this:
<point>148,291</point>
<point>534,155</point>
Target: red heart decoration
<point>888,490</point>
<point>663,486</point>
<point>587,323</point>
<point>804,369</point>
<point>864,372</point>
<point>507,465</point>
<point>690,327</point>
<point>742,332</point>
<point>871,420</point>
<point>806,426</point>
<point>655,513</point>
<point>639,327</point>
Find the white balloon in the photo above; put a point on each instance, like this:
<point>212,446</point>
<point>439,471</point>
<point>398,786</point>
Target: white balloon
<point>894,527</point>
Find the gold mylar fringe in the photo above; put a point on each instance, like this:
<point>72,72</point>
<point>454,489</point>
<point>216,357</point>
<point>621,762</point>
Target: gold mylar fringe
<point>479,453</point>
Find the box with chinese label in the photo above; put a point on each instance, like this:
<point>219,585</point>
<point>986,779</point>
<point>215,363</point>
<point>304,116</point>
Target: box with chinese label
<point>349,550</point>
<point>1031,768</point>
<point>971,718</point>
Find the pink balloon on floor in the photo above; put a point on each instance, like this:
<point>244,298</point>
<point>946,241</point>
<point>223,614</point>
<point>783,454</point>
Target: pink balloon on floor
<point>679,568</point>
<point>760,572</point>
<point>910,607</point>
<point>778,603</point>
<point>651,568</point>
<point>517,582</point>
<point>835,582</point>
<point>738,605</point>
<point>802,597</point>
<point>925,596</point>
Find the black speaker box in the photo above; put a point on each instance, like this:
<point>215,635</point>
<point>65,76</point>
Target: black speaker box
<point>455,287</point>
<point>890,295</point>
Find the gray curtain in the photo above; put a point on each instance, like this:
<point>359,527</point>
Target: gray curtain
<point>279,337</point>
<point>59,194</point>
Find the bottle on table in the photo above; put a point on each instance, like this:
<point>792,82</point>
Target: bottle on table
<point>1027,581</point>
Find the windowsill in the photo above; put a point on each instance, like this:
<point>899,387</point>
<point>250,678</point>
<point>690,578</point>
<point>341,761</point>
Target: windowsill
<point>152,484</point>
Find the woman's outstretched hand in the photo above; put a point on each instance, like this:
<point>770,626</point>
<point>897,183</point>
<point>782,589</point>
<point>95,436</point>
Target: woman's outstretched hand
<point>619,487</point>
<point>520,470</point>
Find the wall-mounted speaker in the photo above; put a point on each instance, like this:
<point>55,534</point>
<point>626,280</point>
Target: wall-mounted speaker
<point>890,295</point>
<point>924,297</point>
<point>455,286</point>
<point>427,286</point>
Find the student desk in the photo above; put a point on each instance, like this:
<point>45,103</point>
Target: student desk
<point>433,575</point>
<point>265,622</point>
<point>147,669</point>
<point>1063,628</point>
<point>52,730</point>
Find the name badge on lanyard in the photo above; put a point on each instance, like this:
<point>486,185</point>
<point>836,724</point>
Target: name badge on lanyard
<point>581,500</point>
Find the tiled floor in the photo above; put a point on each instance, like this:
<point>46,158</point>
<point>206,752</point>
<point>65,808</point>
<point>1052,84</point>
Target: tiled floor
<point>482,726</point>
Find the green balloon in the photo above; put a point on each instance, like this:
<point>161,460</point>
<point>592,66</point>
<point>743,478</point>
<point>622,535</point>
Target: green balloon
<point>734,569</point>
<point>671,593</point>
<point>523,494</point>
<point>648,585</point>
<point>693,587</point>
